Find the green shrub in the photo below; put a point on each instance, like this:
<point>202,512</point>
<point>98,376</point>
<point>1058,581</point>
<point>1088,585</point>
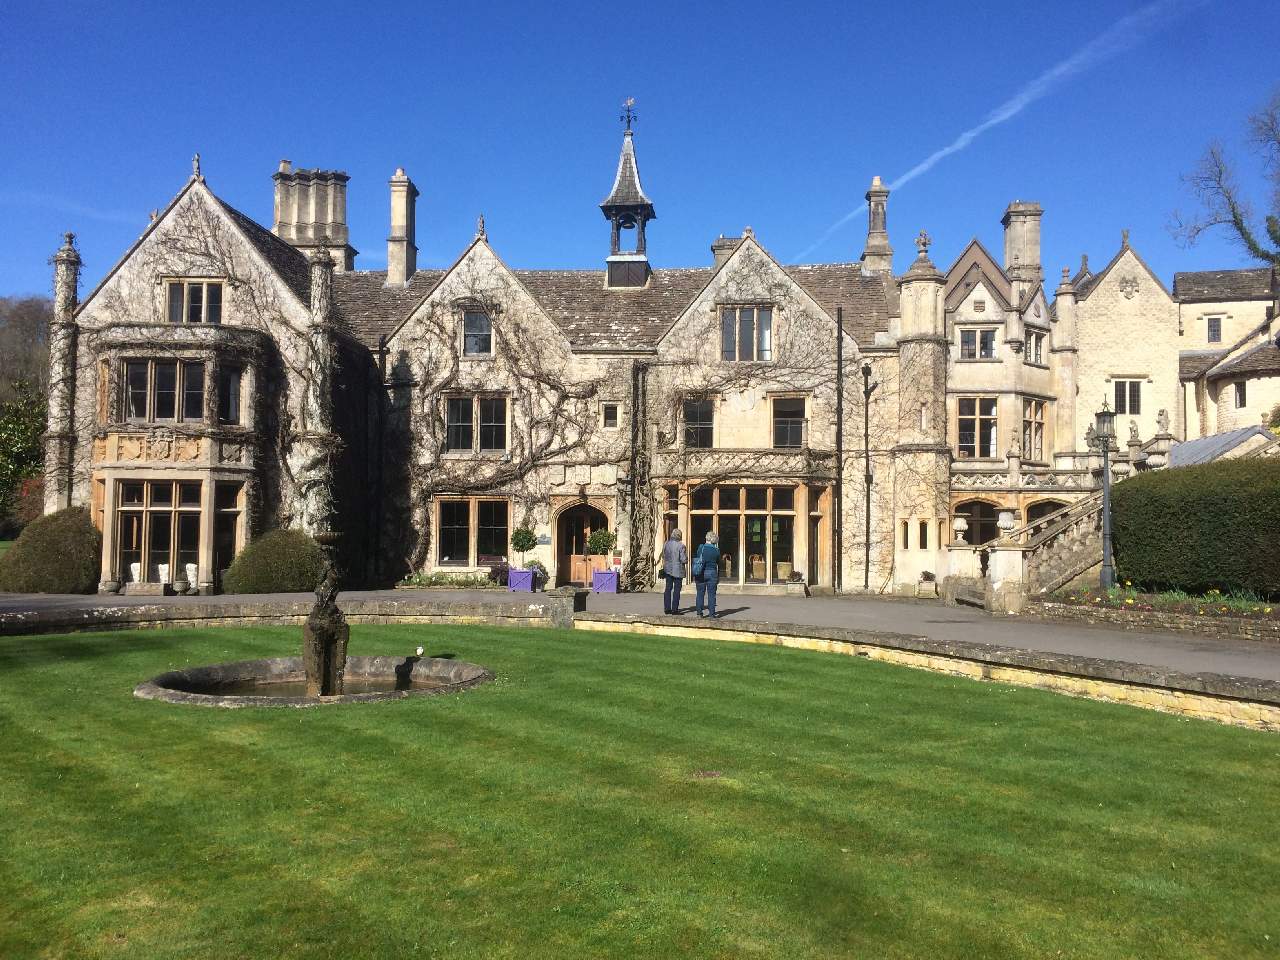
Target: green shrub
<point>600,542</point>
<point>1200,528</point>
<point>282,561</point>
<point>60,553</point>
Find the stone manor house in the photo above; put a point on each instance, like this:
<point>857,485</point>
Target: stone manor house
<point>224,379</point>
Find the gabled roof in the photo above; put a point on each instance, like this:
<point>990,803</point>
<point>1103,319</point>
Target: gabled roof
<point>627,191</point>
<point>1092,283</point>
<point>1192,363</point>
<point>598,317</point>
<point>1261,360</point>
<point>975,264</point>
<point>370,308</point>
<point>1204,449</point>
<point>286,260</point>
<point>1258,283</point>
<point>864,296</point>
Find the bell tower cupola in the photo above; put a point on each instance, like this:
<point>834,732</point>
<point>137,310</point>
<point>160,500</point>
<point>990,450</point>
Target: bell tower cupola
<point>627,208</point>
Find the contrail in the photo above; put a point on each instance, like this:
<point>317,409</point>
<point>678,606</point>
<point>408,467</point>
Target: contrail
<point>1122,35</point>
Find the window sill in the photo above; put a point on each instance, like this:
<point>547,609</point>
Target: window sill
<point>475,454</point>
<point>1032,363</point>
<point>978,360</point>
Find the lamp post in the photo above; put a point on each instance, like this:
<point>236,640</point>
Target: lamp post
<point>1105,423</point>
<point>868,388</point>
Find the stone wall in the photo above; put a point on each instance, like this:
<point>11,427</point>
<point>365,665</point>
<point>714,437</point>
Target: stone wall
<point>1226,628</point>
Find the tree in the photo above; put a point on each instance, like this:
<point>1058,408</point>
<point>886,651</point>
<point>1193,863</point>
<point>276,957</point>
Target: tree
<point>1223,204</point>
<point>22,420</point>
<point>24,343</point>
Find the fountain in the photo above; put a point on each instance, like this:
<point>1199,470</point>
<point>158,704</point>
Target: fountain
<point>324,674</point>
<point>324,639</point>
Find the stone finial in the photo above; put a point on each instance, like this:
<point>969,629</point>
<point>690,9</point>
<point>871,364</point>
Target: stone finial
<point>480,231</point>
<point>68,243</point>
<point>195,166</point>
<point>1066,274</point>
<point>1084,263</point>
<point>1124,238</point>
<point>922,241</point>
<point>748,232</point>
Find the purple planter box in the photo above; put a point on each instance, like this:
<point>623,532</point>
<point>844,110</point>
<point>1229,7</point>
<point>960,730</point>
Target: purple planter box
<point>604,581</point>
<point>520,581</point>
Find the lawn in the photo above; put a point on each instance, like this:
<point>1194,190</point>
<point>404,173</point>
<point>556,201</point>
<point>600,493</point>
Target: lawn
<point>612,796</point>
<point>4,546</point>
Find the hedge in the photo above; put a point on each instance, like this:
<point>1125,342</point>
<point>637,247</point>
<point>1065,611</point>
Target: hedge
<point>59,553</point>
<point>1197,528</point>
<point>282,561</point>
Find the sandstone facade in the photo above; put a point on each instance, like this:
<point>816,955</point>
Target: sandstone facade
<point>224,379</point>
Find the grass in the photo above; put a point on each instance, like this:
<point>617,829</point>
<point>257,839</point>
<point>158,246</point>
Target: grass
<point>614,796</point>
<point>4,546</point>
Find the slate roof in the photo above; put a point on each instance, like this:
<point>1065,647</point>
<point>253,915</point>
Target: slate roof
<point>286,260</point>
<point>1192,363</point>
<point>371,309</point>
<point>627,191</point>
<point>865,300</point>
<point>1260,283</point>
<point>1264,360</point>
<point>1204,449</point>
<point>595,317</point>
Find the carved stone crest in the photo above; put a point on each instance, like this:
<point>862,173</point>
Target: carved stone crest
<point>1129,287</point>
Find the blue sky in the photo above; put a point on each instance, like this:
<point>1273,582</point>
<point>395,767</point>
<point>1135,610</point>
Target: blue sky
<point>764,114</point>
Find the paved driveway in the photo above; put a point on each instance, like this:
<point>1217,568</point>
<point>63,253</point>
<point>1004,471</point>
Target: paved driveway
<point>1183,652</point>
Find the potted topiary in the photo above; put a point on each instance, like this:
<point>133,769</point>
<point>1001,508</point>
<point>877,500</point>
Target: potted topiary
<point>600,543</point>
<point>522,541</point>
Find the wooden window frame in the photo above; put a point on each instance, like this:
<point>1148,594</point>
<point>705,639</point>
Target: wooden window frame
<point>978,417</point>
<point>1124,401</point>
<point>462,328</point>
<point>181,367</point>
<point>977,332</point>
<point>188,284</point>
<point>686,426</point>
<point>472,559</point>
<point>477,401</point>
<point>733,313</point>
<point>1034,414</point>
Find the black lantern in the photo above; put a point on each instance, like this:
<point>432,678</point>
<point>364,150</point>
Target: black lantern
<point>1105,423</point>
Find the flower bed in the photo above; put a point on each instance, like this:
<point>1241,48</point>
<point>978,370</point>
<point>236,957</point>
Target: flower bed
<point>1213,614</point>
<point>1212,604</point>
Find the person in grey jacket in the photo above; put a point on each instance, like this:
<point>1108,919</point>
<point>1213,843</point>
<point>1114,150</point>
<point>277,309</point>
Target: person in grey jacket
<point>675,560</point>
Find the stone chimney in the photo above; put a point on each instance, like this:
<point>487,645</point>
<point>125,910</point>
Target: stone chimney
<point>877,257</point>
<point>402,249</point>
<point>60,440</point>
<point>1022,242</point>
<point>311,212</point>
<point>722,249</point>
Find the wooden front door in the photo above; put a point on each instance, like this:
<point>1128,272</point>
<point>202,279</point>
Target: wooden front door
<point>575,525</point>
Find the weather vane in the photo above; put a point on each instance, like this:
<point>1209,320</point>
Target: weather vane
<point>628,111</point>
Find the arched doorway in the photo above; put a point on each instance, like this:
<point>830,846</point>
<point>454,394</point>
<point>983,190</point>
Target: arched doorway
<point>1042,508</point>
<point>982,517</point>
<point>573,527</point>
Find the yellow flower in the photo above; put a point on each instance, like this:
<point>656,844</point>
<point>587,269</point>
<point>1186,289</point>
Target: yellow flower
<point>1202,611</point>
<point>1128,583</point>
<point>1130,600</point>
<point>1268,610</point>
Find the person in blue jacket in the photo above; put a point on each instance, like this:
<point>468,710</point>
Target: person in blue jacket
<point>706,574</point>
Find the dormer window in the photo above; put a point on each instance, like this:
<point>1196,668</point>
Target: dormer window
<point>194,301</point>
<point>746,333</point>
<point>477,334</point>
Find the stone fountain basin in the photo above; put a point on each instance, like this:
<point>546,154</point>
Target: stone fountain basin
<point>248,683</point>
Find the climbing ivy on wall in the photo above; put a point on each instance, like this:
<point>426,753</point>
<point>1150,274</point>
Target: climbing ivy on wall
<point>22,421</point>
